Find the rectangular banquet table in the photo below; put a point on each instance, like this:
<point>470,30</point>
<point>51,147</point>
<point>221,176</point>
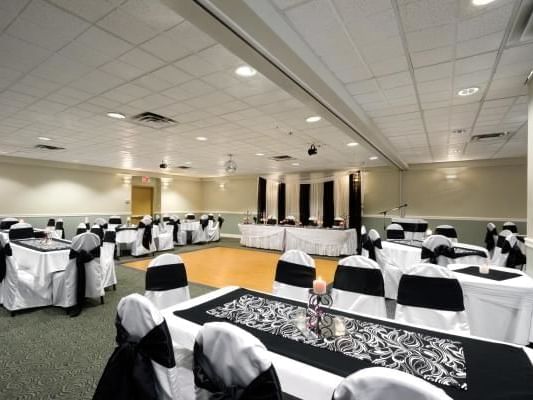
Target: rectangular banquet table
<point>41,259</point>
<point>466,368</point>
<point>271,237</point>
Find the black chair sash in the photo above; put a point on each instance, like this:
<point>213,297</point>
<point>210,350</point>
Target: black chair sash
<point>7,224</point>
<point>265,386</point>
<point>156,221</point>
<point>291,222</point>
<point>166,219</point>
<point>448,232</point>
<point>175,230</point>
<point>271,221</point>
<point>428,292</point>
<point>115,221</point>
<point>190,217</point>
<point>110,237</point>
<point>511,228</point>
<point>147,235</point>
<point>204,223</point>
<point>88,226</point>
<point>82,257</point>
<point>211,217</point>
<point>434,254</point>
<point>490,243</point>
<point>79,231</point>
<point>22,233</point>
<point>515,258</point>
<point>129,373</point>
<point>4,252</point>
<point>59,226</point>
<point>295,274</point>
<point>371,246</point>
<point>395,234</point>
<point>166,277</point>
<point>98,232</point>
<point>220,222</point>
<point>51,222</point>
<point>359,280</point>
<point>413,227</point>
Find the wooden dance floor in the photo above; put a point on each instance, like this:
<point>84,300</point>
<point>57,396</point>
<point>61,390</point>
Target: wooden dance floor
<point>221,266</point>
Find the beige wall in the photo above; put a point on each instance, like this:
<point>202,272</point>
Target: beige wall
<point>181,195</point>
<point>238,195</point>
<point>381,190</point>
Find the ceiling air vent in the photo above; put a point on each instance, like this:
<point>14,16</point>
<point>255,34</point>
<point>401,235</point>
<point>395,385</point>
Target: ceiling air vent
<point>183,167</point>
<point>486,137</point>
<point>48,147</point>
<point>282,158</point>
<point>153,120</point>
<point>522,31</point>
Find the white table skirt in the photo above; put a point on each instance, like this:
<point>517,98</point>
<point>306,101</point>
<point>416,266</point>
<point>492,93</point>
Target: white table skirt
<point>296,378</point>
<point>500,310</point>
<point>322,242</point>
<point>190,226</point>
<point>262,236</point>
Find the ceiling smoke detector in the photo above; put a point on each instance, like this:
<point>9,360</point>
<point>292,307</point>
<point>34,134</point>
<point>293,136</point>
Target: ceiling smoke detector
<point>230,166</point>
<point>489,136</point>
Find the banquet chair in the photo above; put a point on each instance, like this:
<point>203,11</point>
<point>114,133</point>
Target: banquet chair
<point>510,226</point>
<point>144,242</point>
<point>190,216</point>
<point>200,235</point>
<point>448,231</point>
<point>142,365</point>
<point>271,220</point>
<point>98,231</point>
<point>51,224</point>
<point>83,276</point>
<point>113,222</point>
<point>17,287</point>
<point>380,383</point>
<point>290,220</point>
<point>391,270</point>
<point>101,221</point>
<point>363,237</point>
<point>220,220</point>
<point>166,281</point>
<point>491,237</point>
<point>313,221</point>
<point>7,222</point>
<point>107,259</point>
<point>437,249</point>
<point>338,221</point>
<point>60,229</point>
<point>497,252</point>
<point>211,218</point>
<point>430,295</point>
<point>179,235</point>
<point>230,362</point>
<point>165,238</point>
<point>21,230</point>
<point>295,273</point>
<point>82,228</point>
<point>510,254</point>
<point>395,231</point>
<point>358,286</point>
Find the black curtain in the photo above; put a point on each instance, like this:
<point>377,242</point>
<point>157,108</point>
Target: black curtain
<point>281,202</point>
<point>305,193</point>
<point>261,198</point>
<point>328,210</point>
<point>354,207</point>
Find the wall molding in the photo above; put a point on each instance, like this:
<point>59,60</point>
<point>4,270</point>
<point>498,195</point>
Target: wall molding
<point>59,215</point>
<point>430,217</point>
<point>230,235</point>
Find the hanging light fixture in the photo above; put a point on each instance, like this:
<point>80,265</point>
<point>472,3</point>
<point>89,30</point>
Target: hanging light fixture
<point>230,166</point>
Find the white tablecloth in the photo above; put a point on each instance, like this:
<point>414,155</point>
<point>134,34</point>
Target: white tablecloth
<point>270,237</point>
<point>296,378</point>
<point>190,226</point>
<point>322,242</point>
<point>501,310</point>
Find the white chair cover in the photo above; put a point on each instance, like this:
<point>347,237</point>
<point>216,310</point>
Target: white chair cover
<point>113,222</point>
<point>18,288</point>
<point>448,231</point>
<point>5,223</point>
<point>439,301</point>
<point>200,235</point>
<point>107,259</point>
<point>64,282</point>
<point>510,226</point>
<point>180,235</point>
<point>284,284</point>
<point>165,240</point>
<point>166,281</point>
<point>379,383</point>
<point>497,257</point>
<point>435,248</point>
<point>139,317</point>
<point>236,358</point>
<point>359,287</point>
<point>59,229</point>
<point>21,230</point>
<point>395,232</point>
<point>491,237</point>
<point>81,228</point>
<point>509,254</point>
<point>138,249</point>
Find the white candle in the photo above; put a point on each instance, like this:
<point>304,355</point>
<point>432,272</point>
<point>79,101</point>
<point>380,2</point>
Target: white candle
<point>319,286</point>
<point>484,268</point>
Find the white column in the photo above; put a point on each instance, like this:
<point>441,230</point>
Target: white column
<point>529,239</point>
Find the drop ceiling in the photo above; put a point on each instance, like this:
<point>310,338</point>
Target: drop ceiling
<point>66,63</point>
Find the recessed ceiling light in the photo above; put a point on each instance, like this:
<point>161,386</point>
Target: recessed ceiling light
<point>44,138</point>
<point>372,158</point>
<point>188,162</point>
<point>295,164</point>
<point>116,115</point>
<point>259,154</point>
<point>201,138</point>
<point>451,176</point>
<point>352,144</point>
<point>313,118</point>
<point>468,91</point>
<point>245,70</point>
<point>481,2</point>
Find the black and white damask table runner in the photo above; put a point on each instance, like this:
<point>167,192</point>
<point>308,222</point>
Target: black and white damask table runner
<point>465,368</point>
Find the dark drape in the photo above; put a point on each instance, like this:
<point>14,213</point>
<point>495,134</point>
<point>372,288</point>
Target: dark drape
<point>281,202</point>
<point>261,198</point>
<point>328,210</point>
<point>305,193</point>
<point>354,206</point>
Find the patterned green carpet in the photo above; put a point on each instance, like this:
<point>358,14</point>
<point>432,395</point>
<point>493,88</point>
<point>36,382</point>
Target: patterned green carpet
<point>44,354</point>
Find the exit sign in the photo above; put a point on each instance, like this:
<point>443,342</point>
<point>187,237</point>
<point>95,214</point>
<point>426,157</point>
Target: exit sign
<point>145,179</point>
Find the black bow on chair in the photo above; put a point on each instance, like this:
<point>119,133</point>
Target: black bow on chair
<point>147,235</point>
<point>82,257</point>
<point>489,240</point>
<point>129,373</point>
<point>204,223</point>
<point>4,252</point>
<point>220,222</point>
<point>438,251</point>
<point>265,386</point>
<point>371,246</point>
<point>515,258</point>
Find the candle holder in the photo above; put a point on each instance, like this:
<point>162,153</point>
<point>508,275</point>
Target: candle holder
<point>318,321</point>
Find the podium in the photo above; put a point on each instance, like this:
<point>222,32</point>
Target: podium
<point>413,228</point>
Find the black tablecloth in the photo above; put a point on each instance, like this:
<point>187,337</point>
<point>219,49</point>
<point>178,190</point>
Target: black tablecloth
<point>495,275</point>
<point>495,371</point>
<point>42,246</point>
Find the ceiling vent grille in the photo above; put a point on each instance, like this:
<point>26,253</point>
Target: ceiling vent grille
<point>522,31</point>
<point>48,147</point>
<point>153,120</point>
<point>486,137</point>
<point>282,158</point>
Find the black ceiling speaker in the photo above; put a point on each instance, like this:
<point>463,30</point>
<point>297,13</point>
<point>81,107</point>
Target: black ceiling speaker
<point>312,150</point>
<point>163,165</point>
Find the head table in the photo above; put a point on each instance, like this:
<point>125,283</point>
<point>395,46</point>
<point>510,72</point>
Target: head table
<point>310,368</point>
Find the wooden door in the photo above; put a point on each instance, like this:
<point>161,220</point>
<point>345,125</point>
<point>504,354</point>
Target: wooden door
<point>141,202</point>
